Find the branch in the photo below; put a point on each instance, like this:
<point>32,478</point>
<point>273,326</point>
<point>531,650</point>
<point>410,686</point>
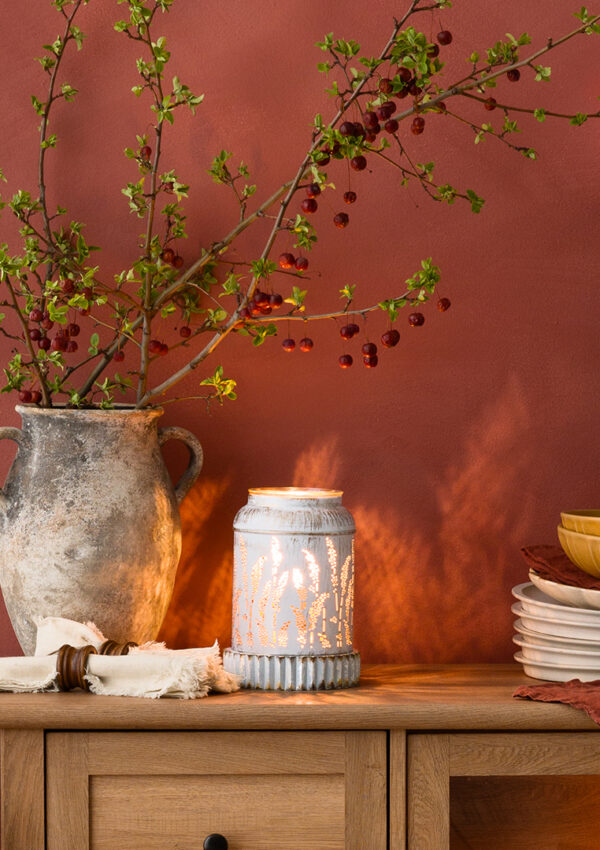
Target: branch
<point>508,108</point>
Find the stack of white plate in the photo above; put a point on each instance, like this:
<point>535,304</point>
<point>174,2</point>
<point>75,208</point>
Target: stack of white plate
<point>558,630</point>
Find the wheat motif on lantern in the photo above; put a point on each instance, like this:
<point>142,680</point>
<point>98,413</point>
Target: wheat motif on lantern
<point>293,591</point>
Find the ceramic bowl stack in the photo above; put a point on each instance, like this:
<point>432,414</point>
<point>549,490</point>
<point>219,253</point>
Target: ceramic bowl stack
<point>579,536</point>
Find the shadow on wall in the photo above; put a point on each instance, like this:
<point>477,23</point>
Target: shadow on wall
<point>429,589</point>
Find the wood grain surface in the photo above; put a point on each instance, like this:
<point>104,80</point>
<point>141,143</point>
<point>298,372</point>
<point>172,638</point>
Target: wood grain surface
<point>22,789</point>
<point>389,697</point>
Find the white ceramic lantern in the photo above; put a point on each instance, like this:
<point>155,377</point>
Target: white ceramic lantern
<point>293,591</point>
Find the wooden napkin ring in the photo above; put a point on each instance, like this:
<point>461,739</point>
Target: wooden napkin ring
<point>111,647</point>
<point>71,666</point>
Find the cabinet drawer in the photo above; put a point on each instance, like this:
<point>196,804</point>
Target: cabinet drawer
<point>261,790</point>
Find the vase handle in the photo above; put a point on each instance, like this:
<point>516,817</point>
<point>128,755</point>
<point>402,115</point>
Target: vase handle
<point>7,433</point>
<point>194,467</point>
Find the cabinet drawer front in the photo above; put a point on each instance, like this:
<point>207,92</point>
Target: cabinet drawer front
<point>261,790</point>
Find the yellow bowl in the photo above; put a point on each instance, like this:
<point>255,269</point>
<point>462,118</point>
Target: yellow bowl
<point>582,549</point>
<point>585,522</point>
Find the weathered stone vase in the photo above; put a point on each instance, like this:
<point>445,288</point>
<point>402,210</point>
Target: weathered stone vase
<point>89,520</point>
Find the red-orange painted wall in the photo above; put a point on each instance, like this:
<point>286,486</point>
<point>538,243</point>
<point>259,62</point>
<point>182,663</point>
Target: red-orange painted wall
<point>468,438</point>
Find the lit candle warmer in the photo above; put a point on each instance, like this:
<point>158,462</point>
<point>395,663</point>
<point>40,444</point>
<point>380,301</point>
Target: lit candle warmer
<point>293,591</point>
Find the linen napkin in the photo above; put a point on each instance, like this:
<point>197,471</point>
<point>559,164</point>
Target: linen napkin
<point>551,563</point>
<point>150,670</point>
<point>583,695</point>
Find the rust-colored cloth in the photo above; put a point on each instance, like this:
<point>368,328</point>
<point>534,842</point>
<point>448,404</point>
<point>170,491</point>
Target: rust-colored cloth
<point>583,695</point>
<point>551,563</point>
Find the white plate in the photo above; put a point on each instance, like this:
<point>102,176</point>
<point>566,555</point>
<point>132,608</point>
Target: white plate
<point>556,672</point>
<point>555,640</point>
<point>557,655</point>
<point>537,603</point>
<point>578,597</point>
<point>588,632</point>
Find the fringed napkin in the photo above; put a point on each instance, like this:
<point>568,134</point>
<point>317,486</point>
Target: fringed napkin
<point>150,670</point>
<point>583,695</point>
<point>551,563</point>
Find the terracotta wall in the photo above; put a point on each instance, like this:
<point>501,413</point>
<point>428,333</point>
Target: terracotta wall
<point>471,435</point>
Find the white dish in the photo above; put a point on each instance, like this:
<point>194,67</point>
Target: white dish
<point>578,597</point>
<point>588,632</point>
<point>557,672</point>
<point>537,603</point>
<point>557,655</point>
<point>555,640</point>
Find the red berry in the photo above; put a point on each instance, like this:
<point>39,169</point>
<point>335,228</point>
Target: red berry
<point>347,129</point>
<point>358,163</point>
<point>35,334</point>
<point>178,261</point>
<point>402,93</point>
<point>313,190</point>
<point>404,74</point>
<point>25,396</point>
<point>286,261</point>
<point>433,50</point>
<point>47,324</point>
<point>36,396</point>
<point>418,125</point>
<point>370,137</point>
<point>349,197</point>
<point>119,355</point>
<point>441,106</point>
<point>385,85</point>
<point>146,152</point>
<point>36,315</point>
<point>514,75</point>
<point>245,313</point>
<point>345,361</point>
<point>370,119</point>
<point>71,347</point>
<point>68,287</point>
<point>44,343</point>
<point>254,309</point>
<point>444,37</point>
<point>392,125</point>
<point>309,206</point>
<point>301,264</point>
<point>390,338</point>
<point>415,320</point>
<point>260,298</point>
<point>73,329</point>
<point>369,349</point>
<point>185,332</point>
<point>370,361</point>
<point>58,344</point>
<point>154,346</point>
<point>306,344</point>
<point>275,300</point>
<point>341,220</point>
<point>323,158</point>
<point>354,328</point>
<point>490,103</point>
<point>414,89</point>
<point>168,255</point>
<point>443,304</point>
<point>62,333</point>
<point>164,349</point>
<point>88,293</point>
<point>346,332</point>
<point>359,130</point>
<point>383,113</point>
<point>266,309</point>
<point>288,344</point>
<point>84,311</point>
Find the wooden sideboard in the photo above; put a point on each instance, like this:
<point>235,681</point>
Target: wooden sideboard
<point>415,758</point>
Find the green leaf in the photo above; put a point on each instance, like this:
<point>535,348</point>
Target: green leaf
<point>578,119</point>
<point>94,342</point>
<point>540,114</point>
<point>476,201</point>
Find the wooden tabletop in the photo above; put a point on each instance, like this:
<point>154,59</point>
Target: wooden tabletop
<point>459,696</point>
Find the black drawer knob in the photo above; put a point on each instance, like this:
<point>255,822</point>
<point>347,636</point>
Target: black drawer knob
<point>215,842</point>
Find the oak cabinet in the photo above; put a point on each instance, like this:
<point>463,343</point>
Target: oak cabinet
<point>415,758</point>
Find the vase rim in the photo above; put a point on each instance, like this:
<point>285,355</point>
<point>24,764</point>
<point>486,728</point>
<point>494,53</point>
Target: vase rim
<point>119,409</point>
<point>296,492</point>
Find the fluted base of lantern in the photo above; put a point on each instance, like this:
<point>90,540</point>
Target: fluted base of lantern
<point>293,672</point>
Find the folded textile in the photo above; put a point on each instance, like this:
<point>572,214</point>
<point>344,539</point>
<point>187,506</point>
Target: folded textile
<point>551,563</point>
<point>149,670</point>
<point>583,695</point>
